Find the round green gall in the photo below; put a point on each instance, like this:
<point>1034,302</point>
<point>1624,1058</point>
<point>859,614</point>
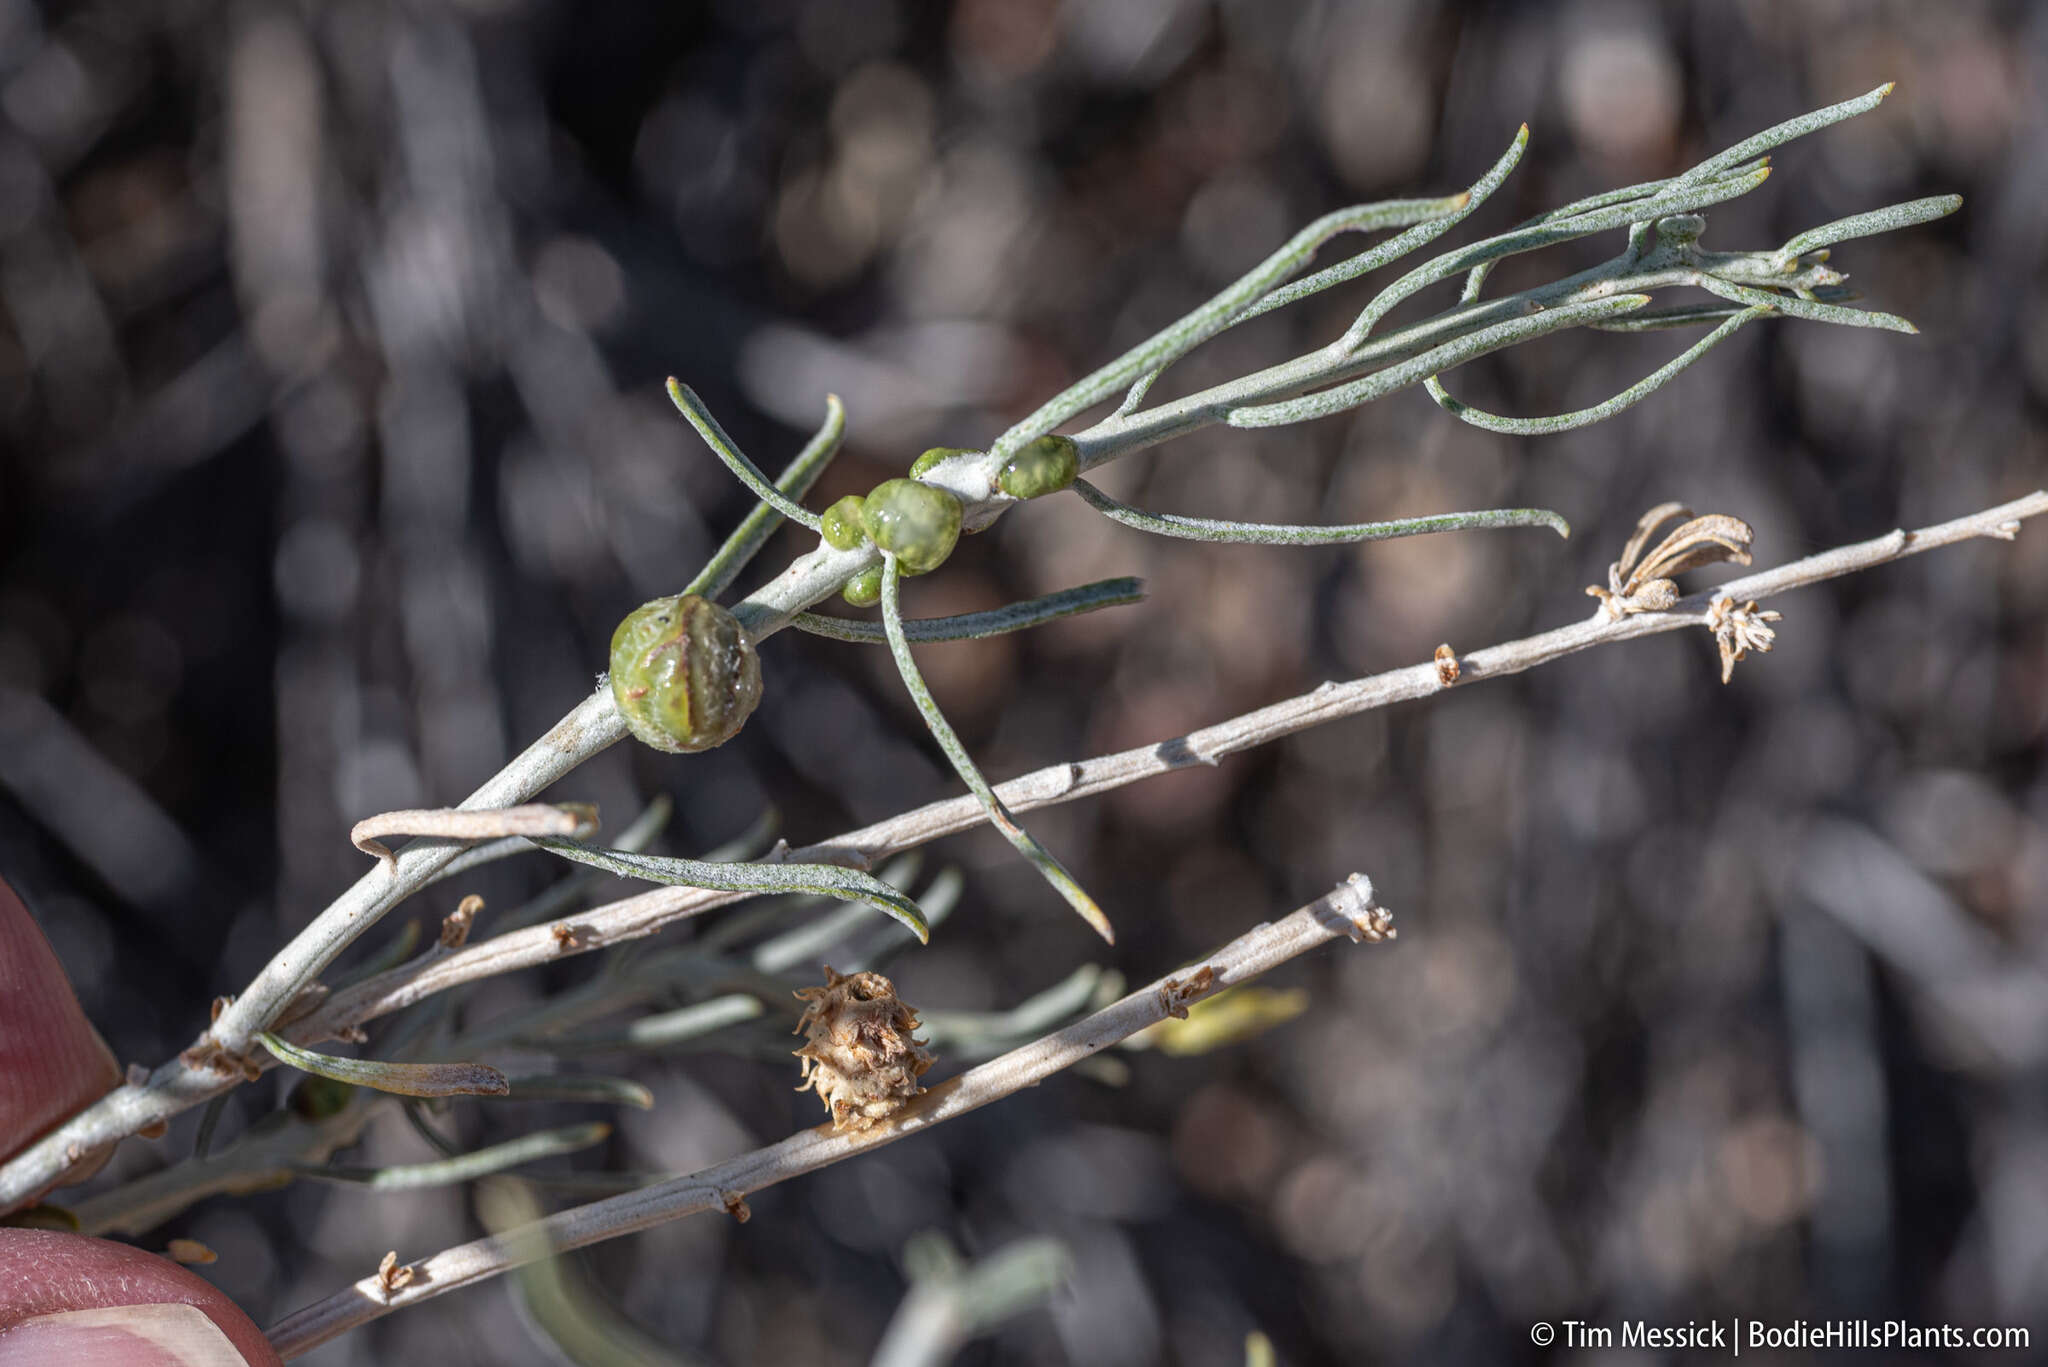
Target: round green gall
<point>864,590</point>
<point>916,523</point>
<point>932,457</point>
<point>841,524</point>
<point>1044,466</point>
<point>684,673</point>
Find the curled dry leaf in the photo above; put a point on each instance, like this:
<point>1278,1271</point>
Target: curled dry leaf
<point>1646,583</point>
<point>571,819</point>
<point>860,1052</point>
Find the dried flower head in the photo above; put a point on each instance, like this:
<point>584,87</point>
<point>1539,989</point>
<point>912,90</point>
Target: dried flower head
<point>1739,629</point>
<point>1645,583</point>
<point>859,1050</point>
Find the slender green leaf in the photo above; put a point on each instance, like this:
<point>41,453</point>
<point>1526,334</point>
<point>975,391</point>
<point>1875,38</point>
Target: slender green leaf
<point>1627,398</point>
<point>836,938</point>
<point>1446,356</point>
<point>1280,534</point>
<point>1888,219</point>
<point>617,1091</point>
<point>822,880</point>
<point>1809,309</point>
<point>942,731</point>
<point>1779,134</point>
<point>664,1030</point>
<point>1364,262</point>
<point>465,1167</point>
<point>1211,318</point>
<point>405,1079</point>
<point>723,446</point>
<point>971,626</point>
<point>1683,198</point>
<point>747,539</point>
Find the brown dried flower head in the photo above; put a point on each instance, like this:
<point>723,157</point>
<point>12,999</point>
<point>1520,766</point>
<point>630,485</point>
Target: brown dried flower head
<point>1645,583</point>
<point>860,1052</point>
<point>1738,629</point>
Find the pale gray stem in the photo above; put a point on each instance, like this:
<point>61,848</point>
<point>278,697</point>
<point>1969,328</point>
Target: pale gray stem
<point>1347,912</point>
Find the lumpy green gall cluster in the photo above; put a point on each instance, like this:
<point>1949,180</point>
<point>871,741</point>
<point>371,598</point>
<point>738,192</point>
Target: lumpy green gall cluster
<point>1043,466</point>
<point>840,526</point>
<point>917,523</point>
<point>922,466</point>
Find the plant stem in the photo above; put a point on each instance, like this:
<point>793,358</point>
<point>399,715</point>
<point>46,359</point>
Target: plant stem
<point>1347,912</point>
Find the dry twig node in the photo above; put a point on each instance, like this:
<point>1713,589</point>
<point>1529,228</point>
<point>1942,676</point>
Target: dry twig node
<point>860,1051</point>
<point>455,925</point>
<point>391,1278</point>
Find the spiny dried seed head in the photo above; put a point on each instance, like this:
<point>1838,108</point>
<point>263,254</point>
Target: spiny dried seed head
<point>860,1051</point>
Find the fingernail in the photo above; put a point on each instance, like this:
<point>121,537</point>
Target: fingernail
<point>120,1336</point>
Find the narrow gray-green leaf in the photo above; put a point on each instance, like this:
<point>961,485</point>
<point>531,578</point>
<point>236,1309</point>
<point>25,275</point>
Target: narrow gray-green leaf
<point>1159,350</point>
<point>1371,259</point>
<point>404,1079</point>
<point>942,731</point>
<point>973,626</point>
<point>1394,248</point>
<point>1808,309</point>
<point>664,1030</point>
<point>837,937</point>
<point>465,1167</point>
<point>1343,397</point>
<point>723,446</point>
<point>1281,534</point>
<point>616,1091</point>
<point>822,880</point>
<point>1627,398</point>
<point>1779,134</point>
<point>797,478</point>
<point>1888,219</point>
<point>1683,198</point>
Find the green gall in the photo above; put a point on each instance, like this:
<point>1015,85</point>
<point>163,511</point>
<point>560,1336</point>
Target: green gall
<point>840,525</point>
<point>684,673</point>
<point>864,590</point>
<point>916,523</point>
<point>1042,467</point>
<point>318,1098</point>
<point>932,457</point>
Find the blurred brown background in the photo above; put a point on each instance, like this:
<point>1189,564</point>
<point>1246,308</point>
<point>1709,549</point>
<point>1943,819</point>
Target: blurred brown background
<point>331,339</point>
